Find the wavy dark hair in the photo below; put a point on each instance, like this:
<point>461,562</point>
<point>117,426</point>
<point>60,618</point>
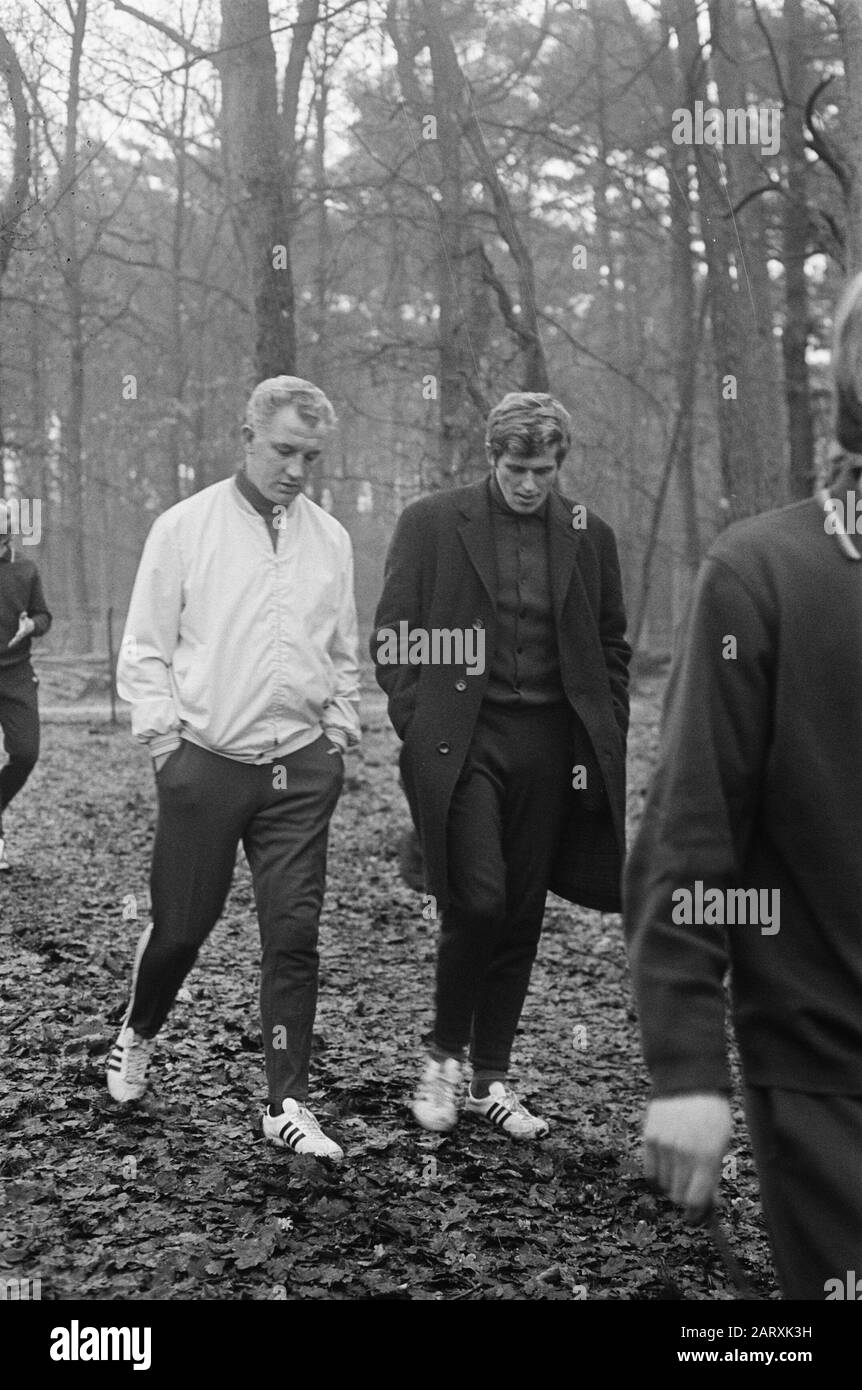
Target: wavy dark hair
<point>525,424</point>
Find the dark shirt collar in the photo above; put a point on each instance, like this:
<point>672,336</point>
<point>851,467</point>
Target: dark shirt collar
<point>253,494</point>
<point>499,502</point>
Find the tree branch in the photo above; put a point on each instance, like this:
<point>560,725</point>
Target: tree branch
<point>305,22</point>
<point>822,145</point>
<point>167,29</point>
<point>773,186</point>
<point>779,76</point>
<point>14,203</point>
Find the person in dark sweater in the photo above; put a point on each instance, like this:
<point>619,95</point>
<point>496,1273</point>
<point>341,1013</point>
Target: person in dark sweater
<point>513,754</point>
<point>757,788</point>
<point>23,615</point>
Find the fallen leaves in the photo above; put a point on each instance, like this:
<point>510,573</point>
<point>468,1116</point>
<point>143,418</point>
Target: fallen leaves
<point>179,1197</point>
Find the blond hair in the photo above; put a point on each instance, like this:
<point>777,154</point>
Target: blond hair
<point>311,405</point>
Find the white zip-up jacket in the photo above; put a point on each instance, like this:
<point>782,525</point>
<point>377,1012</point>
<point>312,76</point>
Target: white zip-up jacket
<point>247,651</point>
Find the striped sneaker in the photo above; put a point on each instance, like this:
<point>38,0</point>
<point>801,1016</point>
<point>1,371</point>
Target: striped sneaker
<point>296,1128</point>
<point>502,1108</point>
<point>127,1066</point>
<point>129,1058</point>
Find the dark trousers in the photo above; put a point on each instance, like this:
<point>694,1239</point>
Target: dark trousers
<point>504,824</point>
<point>19,720</point>
<point>808,1152</point>
<point>207,804</point>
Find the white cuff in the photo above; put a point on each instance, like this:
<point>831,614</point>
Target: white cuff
<point>163,743</point>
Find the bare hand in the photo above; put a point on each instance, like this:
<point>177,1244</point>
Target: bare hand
<point>26,627</point>
<point>685,1139</point>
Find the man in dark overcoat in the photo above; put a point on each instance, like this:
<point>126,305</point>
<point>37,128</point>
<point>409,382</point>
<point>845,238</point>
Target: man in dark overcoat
<point>500,642</point>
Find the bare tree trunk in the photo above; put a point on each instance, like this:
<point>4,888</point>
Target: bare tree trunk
<point>682,298</point>
<point>685,364</point>
<point>179,358</point>
<point>246,62</point>
<point>454,339</point>
<point>322,248</point>
<point>457,367</point>
<point>449,79</point>
<point>72,272</point>
<point>613,288</point>
<point>849,14</point>
<point>309,11</point>
<point>14,202</point>
<point>754,298</point>
<point>260,157</point>
<point>39,473</point>
<point>743,470</point>
<point>645,579</point>
<point>795,248</point>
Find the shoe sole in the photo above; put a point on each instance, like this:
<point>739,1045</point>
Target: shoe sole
<point>500,1127</point>
<point>279,1143</point>
<point>125,1100</point>
<point>432,1128</point>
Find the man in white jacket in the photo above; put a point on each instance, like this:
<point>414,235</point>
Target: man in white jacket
<point>239,659</point>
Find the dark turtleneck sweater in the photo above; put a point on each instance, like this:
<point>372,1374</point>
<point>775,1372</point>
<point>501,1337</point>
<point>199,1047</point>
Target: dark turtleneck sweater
<point>261,504</point>
<point>757,787</point>
<point>525,666</point>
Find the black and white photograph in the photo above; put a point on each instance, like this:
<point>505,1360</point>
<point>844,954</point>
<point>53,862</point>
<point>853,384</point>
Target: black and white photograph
<point>430,670</point>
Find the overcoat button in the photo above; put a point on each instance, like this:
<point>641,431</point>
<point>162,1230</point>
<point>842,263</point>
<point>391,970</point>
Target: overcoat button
<point>460,685</point>
<point>442,748</point>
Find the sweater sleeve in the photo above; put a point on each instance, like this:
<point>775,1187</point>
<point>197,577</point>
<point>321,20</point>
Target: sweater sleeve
<point>696,825</point>
<point>37,608</point>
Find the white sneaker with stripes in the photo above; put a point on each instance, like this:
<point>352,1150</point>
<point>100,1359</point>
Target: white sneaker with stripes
<point>127,1065</point>
<point>296,1128</point>
<point>502,1108</point>
<point>129,1058</point>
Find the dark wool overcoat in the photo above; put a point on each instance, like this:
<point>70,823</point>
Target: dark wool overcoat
<point>441,574</point>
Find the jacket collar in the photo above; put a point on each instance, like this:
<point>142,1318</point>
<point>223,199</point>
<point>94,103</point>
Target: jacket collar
<point>252,494</point>
<point>564,545</point>
<point>477,534</point>
<point>564,541</point>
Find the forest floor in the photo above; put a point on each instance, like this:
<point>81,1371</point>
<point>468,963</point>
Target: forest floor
<point>179,1197</point>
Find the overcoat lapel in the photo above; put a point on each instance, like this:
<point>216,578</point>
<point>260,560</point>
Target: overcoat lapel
<point>563,546</point>
<point>477,538</point>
